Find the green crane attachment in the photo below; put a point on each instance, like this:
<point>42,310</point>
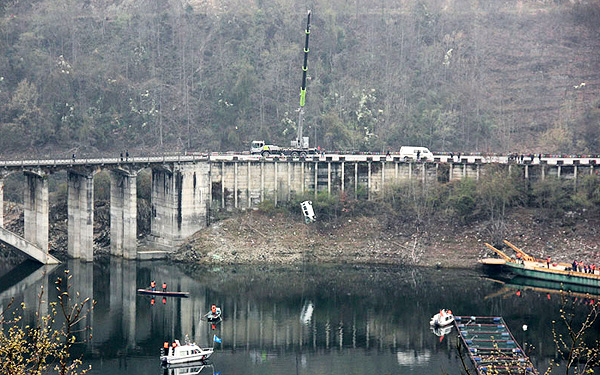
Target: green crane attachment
<point>300,141</point>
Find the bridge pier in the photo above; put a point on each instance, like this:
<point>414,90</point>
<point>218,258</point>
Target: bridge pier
<point>35,207</point>
<point>179,202</point>
<point>123,213</point>
<point>80,206</point>
<point>1,201</point>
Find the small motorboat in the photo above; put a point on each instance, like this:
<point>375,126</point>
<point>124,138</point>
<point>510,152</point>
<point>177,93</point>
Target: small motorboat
<point>214,314</point>
<point>441,319</point>
<point>188,352</point>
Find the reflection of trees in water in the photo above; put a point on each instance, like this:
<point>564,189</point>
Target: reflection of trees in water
<point>378,308</point>
<point>370,306</point>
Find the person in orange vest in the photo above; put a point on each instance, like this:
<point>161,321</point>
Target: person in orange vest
<point>164,286</point>
<point>519,258</point>
<point>548,262</point>
<point>153,285</point>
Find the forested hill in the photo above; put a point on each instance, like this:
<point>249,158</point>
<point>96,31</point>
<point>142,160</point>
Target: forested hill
<point>91,76</point>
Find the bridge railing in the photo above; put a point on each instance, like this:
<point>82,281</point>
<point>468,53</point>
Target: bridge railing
<point>103,160</point>
<point>246,156</point>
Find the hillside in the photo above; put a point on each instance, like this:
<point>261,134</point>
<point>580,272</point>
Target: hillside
<point>453,75</point>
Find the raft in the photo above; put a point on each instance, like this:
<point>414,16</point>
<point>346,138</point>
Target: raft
<point>161,293</point>
<point>491,346</point>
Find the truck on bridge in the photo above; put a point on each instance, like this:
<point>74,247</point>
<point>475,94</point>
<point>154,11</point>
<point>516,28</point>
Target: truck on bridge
<point>260,147</point>
<point>299,146</point>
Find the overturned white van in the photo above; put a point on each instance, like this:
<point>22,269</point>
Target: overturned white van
<point>309,213</point>
<point>415,153</point>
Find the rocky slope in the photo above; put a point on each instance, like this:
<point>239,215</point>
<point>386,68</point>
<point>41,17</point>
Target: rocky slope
<point>253,237</point>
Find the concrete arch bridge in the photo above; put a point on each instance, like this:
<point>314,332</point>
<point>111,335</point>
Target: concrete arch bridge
<point>185,187</point>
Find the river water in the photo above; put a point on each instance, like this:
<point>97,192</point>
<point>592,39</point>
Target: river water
<point>311,319</point>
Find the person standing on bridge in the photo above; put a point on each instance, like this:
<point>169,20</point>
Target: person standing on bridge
<point>153,285</point>
<point>121,156</point>
<point>126,155</point>
<point>164,286</point>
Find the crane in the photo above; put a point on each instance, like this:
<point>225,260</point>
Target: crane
<point>302,142</point>
<point>299,146</point>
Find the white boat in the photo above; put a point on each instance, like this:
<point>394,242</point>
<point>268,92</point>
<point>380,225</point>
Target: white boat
<point>189,352</point>
<point>441,319</point>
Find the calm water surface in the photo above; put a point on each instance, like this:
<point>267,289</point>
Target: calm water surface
<point>334,319</point>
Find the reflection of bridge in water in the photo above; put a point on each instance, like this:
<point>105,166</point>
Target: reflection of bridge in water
<point>266,317</point>
<point>124,321</point>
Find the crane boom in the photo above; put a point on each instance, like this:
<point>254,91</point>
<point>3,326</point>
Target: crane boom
<point>300,142</point>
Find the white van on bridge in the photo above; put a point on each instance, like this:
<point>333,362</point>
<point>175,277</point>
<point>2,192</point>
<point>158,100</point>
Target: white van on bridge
<point>408,153</point>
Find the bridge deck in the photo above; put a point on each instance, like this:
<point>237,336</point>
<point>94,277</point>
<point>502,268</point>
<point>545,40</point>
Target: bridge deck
<point>590,160</point>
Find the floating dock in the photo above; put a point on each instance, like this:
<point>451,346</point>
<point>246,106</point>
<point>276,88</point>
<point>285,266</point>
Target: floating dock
<point>492,347</point>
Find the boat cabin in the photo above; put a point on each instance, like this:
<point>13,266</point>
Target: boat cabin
<point>177,353</point>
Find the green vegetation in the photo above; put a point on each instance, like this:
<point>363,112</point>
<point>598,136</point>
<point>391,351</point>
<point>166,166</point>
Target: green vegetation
<point>571,335</point>
<point>464,201</point>
<point>80,77</point>
<point>35,349</point>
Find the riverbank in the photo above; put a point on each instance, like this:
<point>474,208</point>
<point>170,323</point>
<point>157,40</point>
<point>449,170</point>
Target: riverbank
<point>257,237</point>
<point>254,237</point>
